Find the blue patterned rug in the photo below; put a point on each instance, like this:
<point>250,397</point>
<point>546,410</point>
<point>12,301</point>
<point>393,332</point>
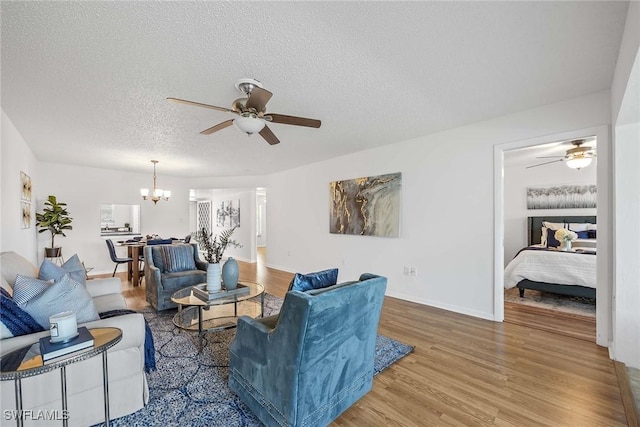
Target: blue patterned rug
<point>191,389</point>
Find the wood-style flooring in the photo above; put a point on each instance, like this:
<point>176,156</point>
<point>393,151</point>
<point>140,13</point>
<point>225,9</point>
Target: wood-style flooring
<point>466,371</point>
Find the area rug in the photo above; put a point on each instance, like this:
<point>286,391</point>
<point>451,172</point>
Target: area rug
<point>191,389</point>
<point>563,303</point>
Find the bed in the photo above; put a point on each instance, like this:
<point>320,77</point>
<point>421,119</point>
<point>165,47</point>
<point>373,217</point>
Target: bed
<point>540,268</point>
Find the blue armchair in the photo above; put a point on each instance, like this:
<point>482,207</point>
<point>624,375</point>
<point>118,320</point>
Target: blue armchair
<point>310,363</point>
<point>169,268</point>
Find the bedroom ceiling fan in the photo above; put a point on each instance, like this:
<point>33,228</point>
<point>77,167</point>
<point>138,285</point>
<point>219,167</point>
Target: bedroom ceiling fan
<point>251,112</point>
<point>577,157</point>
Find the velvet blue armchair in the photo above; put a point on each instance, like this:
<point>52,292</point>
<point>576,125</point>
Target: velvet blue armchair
<point>307,365</point>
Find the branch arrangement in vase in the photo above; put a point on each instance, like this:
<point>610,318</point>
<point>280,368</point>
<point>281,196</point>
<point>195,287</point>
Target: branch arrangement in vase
<point>214,246</point>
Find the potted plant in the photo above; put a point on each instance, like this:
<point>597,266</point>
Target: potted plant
<point>55,219</point>
<point>214,247</point>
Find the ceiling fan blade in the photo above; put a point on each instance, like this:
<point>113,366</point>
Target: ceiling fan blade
<point>269,136</point>
<point>548,157</point>
<point>258,99</point>
<point>198,104</point>
<point>217,127</point>
<point>293,120</point>
<point>545,163</point>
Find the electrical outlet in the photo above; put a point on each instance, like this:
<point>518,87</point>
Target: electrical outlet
<point>405,271</point>
<point>413,272</point>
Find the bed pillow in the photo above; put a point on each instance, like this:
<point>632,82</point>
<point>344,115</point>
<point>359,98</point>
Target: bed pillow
<point>317,280</point>
<point>592,234</point>
<point>73,267</point>
<point>552,242</point>
<point>63,295</point>
<point>573,226</point>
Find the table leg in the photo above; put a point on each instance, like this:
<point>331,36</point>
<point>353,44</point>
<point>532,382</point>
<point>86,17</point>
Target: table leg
<point>105,381</point>
<point>18,389</point>
<point>200,325</point>
<point>129,265</point>
<point>262,304</point>
<point>135,254</point>
<point>63,382</point>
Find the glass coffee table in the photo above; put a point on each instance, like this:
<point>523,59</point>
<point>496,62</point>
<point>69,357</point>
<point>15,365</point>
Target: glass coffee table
<point>195,314</point>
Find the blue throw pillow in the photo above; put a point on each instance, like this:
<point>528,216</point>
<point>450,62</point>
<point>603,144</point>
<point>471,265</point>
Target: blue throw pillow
<point>13,320</point>
<point>592,234</point>
<point>73,267</point>
<point>552,242</point>
<point>582,234</point>
<point>317,280</point>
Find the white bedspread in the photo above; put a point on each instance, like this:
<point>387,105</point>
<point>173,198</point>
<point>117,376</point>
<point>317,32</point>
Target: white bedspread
<point>551,267</point>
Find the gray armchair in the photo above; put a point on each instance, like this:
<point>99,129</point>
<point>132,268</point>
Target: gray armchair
<point>315,359</point>
<point>168,268</point>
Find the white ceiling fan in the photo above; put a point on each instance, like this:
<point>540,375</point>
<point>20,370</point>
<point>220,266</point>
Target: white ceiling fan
<point>577,157</point>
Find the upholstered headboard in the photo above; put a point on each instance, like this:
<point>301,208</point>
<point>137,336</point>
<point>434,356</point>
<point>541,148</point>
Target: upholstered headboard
<point>534,224</point>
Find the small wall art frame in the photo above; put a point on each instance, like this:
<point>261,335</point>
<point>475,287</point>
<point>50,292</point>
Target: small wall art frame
<point>228,214</point>
<point>368,206</point>
<point>562,197</point>
<point>25,187</point>
<point>25,215</point>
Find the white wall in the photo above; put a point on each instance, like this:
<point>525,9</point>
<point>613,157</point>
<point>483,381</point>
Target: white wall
<point>516,180</point>
<point>446,214</point>
<point>261,204</point>
<point>625,101</point>
<point>16,157</point>
<point>84,189</point>
<point>246,233</point>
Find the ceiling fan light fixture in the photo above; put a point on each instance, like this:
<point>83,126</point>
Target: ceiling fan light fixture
<point>249,123</point>
<point>579,162</point>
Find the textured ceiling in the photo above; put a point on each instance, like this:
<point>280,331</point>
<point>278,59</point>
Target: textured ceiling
<point>86,82</point>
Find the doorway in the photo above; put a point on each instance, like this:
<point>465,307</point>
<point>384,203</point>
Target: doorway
<point>603,292</point>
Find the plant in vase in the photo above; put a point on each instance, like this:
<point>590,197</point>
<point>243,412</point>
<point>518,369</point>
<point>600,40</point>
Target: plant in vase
<point>214,247</point>
<point>565,237</point>
<point>55,219</point>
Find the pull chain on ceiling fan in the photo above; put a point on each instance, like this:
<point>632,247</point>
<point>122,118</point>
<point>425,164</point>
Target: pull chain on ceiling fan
<point>251,111</point>
<point>577,157</point>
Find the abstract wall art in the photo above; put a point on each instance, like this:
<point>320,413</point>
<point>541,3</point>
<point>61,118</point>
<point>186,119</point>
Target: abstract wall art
<point>367,206</point>
<point>25,187</point>
<point>25,214</point>
<point>562,197</point>
<point>228,214</point>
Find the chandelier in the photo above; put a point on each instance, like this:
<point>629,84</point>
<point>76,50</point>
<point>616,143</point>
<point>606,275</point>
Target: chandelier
<point>156,193</point>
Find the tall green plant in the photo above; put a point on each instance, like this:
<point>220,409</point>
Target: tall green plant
<point>54,218</point>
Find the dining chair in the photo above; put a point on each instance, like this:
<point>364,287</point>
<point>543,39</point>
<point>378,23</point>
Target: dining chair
<point>114,256</point>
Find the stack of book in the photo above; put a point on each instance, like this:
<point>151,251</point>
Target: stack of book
<point>202,293</point>
<point>53,352</point>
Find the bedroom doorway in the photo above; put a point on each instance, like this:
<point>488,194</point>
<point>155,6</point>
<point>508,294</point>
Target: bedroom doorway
<point>512,178</point>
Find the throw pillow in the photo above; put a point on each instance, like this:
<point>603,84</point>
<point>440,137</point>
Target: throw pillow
<point>13,320</point>
<point>178,258</point>
<point>26,288</point>
<point>73,266</point>
<point>63,295</point>
<point>552,242</point>
<point>317,280</point>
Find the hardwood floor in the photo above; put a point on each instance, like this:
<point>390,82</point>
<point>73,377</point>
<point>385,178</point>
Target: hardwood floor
<point>473,372</point>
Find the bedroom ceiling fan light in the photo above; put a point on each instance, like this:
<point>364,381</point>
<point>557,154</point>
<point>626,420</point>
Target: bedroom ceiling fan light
<point>579,162</point>
<point>249,124</point>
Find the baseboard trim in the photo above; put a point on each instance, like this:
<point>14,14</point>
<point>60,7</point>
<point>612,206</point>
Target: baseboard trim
<point>628,401</point>
<point>436,304</point>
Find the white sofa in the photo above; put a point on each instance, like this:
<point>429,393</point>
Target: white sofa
<point>128,389</point>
